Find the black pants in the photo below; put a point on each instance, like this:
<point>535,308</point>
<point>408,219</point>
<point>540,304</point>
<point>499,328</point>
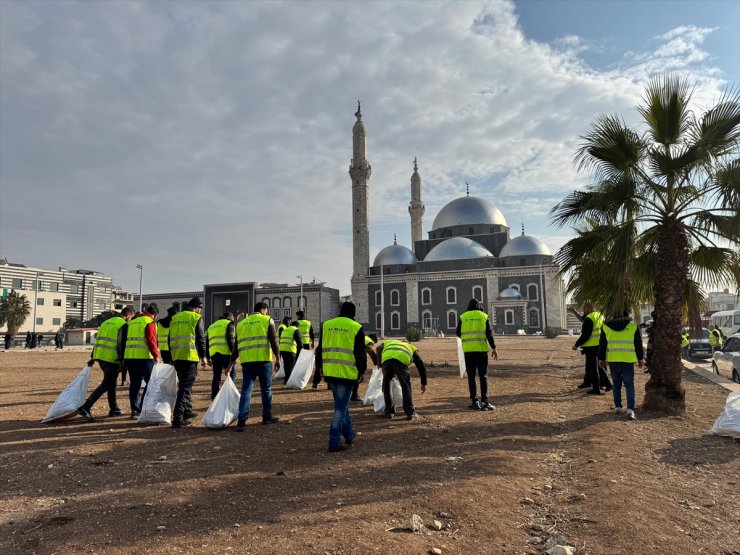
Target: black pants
<point>108,385</point>
<point>355,391</point>
<point>288,364</point>
<point>220,362</point>
<point>594,377</point>
<point>141,371</point>
<point>395,368</point>
<point>166,357</point>
<point>123,374</point>
<point>186,372</point>
<point>477,363</point>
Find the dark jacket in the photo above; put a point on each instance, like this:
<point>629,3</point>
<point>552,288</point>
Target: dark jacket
<point>586,331</point>
<point>360,359</point>
<point>618,324</point>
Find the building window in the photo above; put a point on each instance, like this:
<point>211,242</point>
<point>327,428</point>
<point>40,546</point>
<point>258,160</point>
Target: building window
<point>451,295</point>
<point>286,312</point>
<point>508,317</point>
<point>276,302</point>
<point>532,292</point>
<point>57,302</point>
<point>471,231</point>
<point>74,288</point>
<point>377,298</point>
<point>514,286</point>
<point>39,285</point>
<point>17,283</point>
<point>266,301</point>
<point>426,319</point>
<point>276,314</point>
<point>395,298</point>
<point>39,321</point>
<point>395,320</point>
<point>478,293</point>
<point>378,321</point>
<point>426,296</point>
<point>534,318</point>
<point>287,302</point>
<point>451,319</point>
<point>40,301</point>
<point>56,321</point>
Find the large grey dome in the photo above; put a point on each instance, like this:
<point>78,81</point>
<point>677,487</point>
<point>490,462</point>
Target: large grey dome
<point>457,248</point>
<point>524,245</point>
<point>509,293</point>
<point>468,211</point>
<point>395,254</point>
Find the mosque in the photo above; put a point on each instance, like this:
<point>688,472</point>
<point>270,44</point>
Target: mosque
<point>469,253</point>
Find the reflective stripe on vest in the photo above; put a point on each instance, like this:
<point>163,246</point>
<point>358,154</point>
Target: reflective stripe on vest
<point>136,340</point>
<point>598,322</point>
<point>304,326</point>
<point>620,345</point>
<point>217,343</point>
<point>182,336</point>
<point>473,331</point>
<point>106,343</point>
<point>287,342</point>
<point>251,338</point>
<point>338,348</point>
<point>163,335</point>
<point>398,350</point>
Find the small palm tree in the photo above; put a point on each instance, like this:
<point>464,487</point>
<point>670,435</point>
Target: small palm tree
<point>14,309</point>
<point>676,192</point>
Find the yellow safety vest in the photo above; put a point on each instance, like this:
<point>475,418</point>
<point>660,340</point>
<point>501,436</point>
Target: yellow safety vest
<point>685,340</point>
<point>163,337</point>
<point>598,321</point>
<point>621,344</point>
<point>280,329</point>
<point>715,338</point>
<point>251,338</point>
<point>338,348</point>
<point>473,331</point>
<point>182,336</point>
<point>398,350</point>
<point>287,343</point>
<point>106,343</point>
<point>136,340</point>
<point>217,343</point>
<point>368,341</point>
<point>304,326</point>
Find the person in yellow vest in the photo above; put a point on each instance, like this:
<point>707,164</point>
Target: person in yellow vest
<point>220,342</point>
<point>474,330</point>
<point>588,342</point>
<point>342,358</point>
<point>140,354</point>
<point>284,324</point>
<point>370,340</point>
<point>715,338</point>
<point>163,335</point>
<point>290,347</point>
<point>188,347</point>
<point>685,345</point>
<point>620,346</point>
<point>108,353</point>
<point>395,358</point>
<point>307,335</point>
<point>256,344</point>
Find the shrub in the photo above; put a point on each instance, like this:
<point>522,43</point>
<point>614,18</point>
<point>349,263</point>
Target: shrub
<point>414,334</point>
<point>551,333</point>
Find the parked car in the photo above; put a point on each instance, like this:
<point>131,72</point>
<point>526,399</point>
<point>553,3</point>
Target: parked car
<point>699,347</point>
<point>727,361</point>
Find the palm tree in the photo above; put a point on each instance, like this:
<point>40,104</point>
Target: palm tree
<point>676,191</point>
<point>14,309</point>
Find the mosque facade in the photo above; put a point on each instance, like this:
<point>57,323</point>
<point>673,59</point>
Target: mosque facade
<point>469,253</point>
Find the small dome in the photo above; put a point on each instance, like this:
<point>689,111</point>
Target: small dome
<point>457,248</point>
<point>524,245</point>
<point>468,211</point>
<point>509,293</point>
<point>395,254</point>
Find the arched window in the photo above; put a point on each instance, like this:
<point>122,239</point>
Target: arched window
<point>266,301</point>
<point>509,317</point>
<point>514,286</point>
<point>377,321</point>
<point>478,293</point>
<point>534,318</point>
<point>276,302</point>
<point>426,319</point>
<point>395,297</point>
<point>426,296</point>
<point>451,319</point>
<point>451,295</point>
<point>287,301</point>
<point>377,298</point>
<point>532,292</point>
<point>395,320</point>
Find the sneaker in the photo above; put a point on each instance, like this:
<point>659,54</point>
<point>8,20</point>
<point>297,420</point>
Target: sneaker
<point>355,399</point>
<point>390,416</point>
<point>412,416</point>
<point>181,423</point>
<point>115,412</point>
<point>241,425</point>
<point>631,414</point>
<point>190,414</point>
<point>314,386</point>
<point>85,413</point>
<point>608,388</point>
<point>338,448</point>
<point>487,406</point>
<point>135,414</point>
<point>271,420</point>
<point>594,392</point>
<point>619,410</point>
<point>475,405</point>
<point>351,441</point>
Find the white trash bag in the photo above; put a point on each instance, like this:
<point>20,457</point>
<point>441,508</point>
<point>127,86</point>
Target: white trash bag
<point>161,392</point>
<point>396,395</point>
<point>69,400</point>
<point>224,408</point>
<point>280,373</point>
<point>374,386</point>
<point>302,371</point>
<point>461,358</point>
<point>728,423</point>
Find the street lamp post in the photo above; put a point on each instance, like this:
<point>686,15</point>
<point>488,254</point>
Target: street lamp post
<point>141,279</point>
<point>300,297</point>
<point>35,298</point>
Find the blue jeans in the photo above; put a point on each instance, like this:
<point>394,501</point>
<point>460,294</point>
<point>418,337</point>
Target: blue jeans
<point>341,423</point>
<point>252,371</point>
<point>623,373</point>
<point>139,369</point>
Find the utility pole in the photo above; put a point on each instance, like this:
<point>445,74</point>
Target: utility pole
<point>300,296</point>
<point>141,280</point>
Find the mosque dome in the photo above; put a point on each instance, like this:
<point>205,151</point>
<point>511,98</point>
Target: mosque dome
<point>509,293</point>
<point>468,211</point>
<point>457,248</point>
<point>395,254</point>
<point>524,245</point>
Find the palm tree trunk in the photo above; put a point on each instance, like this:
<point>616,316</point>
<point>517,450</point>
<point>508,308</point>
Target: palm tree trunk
<point>664,391</point>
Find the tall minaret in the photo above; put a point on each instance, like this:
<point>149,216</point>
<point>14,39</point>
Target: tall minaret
<point>416,207</point>
<point>359,171</point>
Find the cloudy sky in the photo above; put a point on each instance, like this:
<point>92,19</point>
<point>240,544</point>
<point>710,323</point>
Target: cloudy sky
<point>210,141</point>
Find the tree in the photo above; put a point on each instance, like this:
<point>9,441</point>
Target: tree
<point>14,309</point>
<point>675,190</point>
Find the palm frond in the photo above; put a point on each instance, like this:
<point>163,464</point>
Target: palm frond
<point>610,149</point>
<point>666,108</point>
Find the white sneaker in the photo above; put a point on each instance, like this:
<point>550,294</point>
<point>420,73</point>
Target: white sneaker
<point>631,414</point>
<point>619,410</point>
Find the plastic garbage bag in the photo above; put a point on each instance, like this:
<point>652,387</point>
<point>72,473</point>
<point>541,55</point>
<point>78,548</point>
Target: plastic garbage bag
<point>302,371</point>
<point>161,393</point>
<point>728,423</point>
<point>280,373</point>
<point>461,358</point>
<point>374,386</point>
<point>70,399</point>
<point>224,408</point>
<point>396,395</point>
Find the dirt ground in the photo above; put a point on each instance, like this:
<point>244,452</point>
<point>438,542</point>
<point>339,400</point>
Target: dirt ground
<point>549,461</point>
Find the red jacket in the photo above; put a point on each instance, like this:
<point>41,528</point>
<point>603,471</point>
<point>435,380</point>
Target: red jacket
<point>150,334</point>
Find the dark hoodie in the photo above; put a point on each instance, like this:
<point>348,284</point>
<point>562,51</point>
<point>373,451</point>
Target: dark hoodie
<point>618,324</point>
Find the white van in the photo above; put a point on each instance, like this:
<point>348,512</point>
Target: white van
<point>726,320</point>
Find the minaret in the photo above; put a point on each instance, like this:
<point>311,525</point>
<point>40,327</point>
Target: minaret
<point>416,207</point>
<point>359,171</point>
